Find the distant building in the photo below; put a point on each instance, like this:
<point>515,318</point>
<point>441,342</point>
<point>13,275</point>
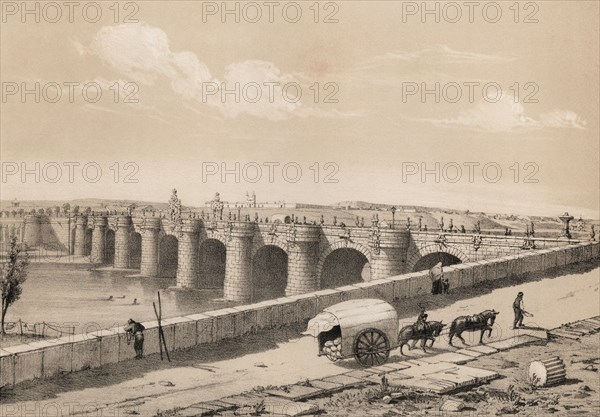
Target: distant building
<point>251,202</point>
<point>15,203</point>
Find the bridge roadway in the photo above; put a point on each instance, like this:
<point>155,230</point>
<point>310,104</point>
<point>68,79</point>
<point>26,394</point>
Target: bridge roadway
<point>300,257</point>
<point>230,368</point>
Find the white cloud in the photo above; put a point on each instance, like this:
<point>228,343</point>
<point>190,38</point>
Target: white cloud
<point>441,54</point>
<point>506,115</point>
<point>142,54</point>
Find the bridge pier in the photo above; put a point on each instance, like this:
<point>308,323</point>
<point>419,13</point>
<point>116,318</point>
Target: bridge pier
<point>98,252</point>
<point>123,242</point>
<point>303,255</point>
<point>150,241</point>
<point>32,230</point>
<point>187,256</point>
<point>238,265</point>
<point>389,253</point>
<point>79,245</point>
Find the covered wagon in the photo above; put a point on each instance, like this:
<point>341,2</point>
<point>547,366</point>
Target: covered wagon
<point>366,329</point>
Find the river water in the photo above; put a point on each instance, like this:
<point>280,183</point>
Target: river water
<point>74,296</point>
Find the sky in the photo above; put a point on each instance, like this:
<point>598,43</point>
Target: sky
<point>489,109</point>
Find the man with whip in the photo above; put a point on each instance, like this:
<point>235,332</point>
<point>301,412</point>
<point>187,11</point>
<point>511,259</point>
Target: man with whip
<point>520,312</point>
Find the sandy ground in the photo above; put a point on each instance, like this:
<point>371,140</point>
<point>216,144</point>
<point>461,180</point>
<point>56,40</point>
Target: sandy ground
<point>280,357</point>
<point>579,395</point>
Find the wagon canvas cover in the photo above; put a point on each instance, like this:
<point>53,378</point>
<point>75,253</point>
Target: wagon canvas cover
<point>353,316</point>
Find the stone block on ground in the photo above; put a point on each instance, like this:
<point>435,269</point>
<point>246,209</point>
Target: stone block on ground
<point>242,400</point>
<point>449,357</point>
<point>326,385</point>
<point>417,362</point>
<point>469,352</point>
<point>481,375</point>
<point>398,366</point>
<point>427,384</point>
<point>206,409</point>
<point>277,407</point>
<point>563,333</point>
<point>419,371</point>
<point>383,369</point>
<point>513,342</point>
<point>452,405</point>
<point>295,392</point>
<point>454,376</point>
<point>345,380</point>
<point>360,374</point>
<point>485,349</point>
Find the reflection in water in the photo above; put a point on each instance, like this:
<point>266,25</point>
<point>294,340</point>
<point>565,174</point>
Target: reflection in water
<point>64,294</point>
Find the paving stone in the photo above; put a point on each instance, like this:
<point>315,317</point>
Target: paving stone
<point>485,349</point>
<point>419,371</point>
<point>242,400</point>
<point>574,330</point>
<point>454,376</point>
<point>383,369</point>
<point>394,379</point>
<point>360,373</point>
<point>582,327</point>
<point>275,406</point>
<point>469,352</point>
<point>326,385</point>
<point>450,357</point>
<point>481,375</point>
<point>417,362</point>
<point>561,333</point>
<point>589,327</point>
<point>513,342</point>
<point>398,366</point>
<point>296,392</point>
<point>345,380</point>
<point>426,384</point>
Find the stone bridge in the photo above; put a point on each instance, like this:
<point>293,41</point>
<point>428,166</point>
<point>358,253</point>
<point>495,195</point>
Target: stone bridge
<point>242,257</point>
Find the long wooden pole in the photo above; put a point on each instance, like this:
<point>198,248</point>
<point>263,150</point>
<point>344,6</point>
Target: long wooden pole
<point>160,328</point>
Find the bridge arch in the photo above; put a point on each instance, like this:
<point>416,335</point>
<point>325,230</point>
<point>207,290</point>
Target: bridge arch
<point>135,249</point>
<point>87,248</point>
<point>212,257</point>
<point>269,272</point>
<point>109,248</point>
<point>168,250</point>
<point>275,241</point>
<point>448,255</point>
<point>353,256</point>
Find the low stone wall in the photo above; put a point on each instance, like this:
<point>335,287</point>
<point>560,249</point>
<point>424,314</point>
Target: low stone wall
<point>74,353</point>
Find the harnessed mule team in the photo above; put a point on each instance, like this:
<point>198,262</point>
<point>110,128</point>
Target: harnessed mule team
<point>425,331</point>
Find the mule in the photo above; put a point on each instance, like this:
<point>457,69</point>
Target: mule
<point>408,333</point>
<point>482,321</point>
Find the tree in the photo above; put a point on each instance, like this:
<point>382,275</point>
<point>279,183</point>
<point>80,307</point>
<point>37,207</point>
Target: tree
<point>14,274</point>
<point>76,210</point>
<point>66,207</point>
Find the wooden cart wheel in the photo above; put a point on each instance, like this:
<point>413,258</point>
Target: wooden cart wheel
<point>371,347</point>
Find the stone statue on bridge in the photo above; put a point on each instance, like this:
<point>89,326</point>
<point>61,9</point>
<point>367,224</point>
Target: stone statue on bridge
<point>217,207</point>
